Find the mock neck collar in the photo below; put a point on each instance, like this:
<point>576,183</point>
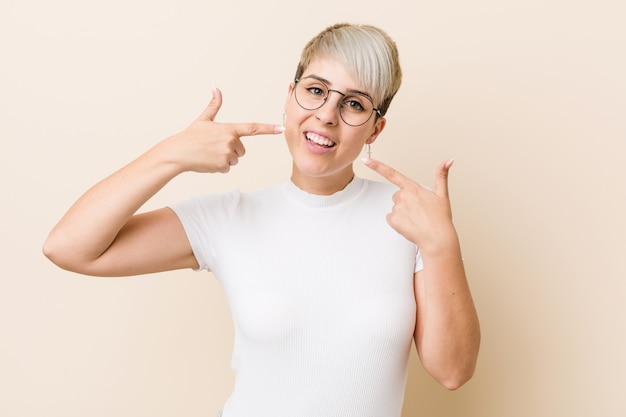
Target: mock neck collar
<point>350,192</point>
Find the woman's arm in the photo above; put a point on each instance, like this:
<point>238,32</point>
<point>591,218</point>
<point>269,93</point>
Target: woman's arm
<point>101,234</point>
<point>447,331</point>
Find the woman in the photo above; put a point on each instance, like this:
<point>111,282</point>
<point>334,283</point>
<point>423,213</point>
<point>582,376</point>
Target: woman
<point>323,275</point>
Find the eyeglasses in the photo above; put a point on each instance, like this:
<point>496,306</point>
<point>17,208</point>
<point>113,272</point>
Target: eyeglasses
<point>355,108</point>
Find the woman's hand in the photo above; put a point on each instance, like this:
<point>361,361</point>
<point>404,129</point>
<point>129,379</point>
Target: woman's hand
<point>208,146</point>
<point>421,215</point>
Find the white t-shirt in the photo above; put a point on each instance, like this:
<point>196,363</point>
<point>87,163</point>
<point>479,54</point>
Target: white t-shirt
<point>321,294</point>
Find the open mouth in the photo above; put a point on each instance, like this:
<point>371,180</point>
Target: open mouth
<point>319,140</point>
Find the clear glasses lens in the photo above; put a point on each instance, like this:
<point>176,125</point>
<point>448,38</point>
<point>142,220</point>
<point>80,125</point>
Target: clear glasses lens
<point>355,109</point>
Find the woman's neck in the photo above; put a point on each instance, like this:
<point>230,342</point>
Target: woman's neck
<point>323,185</point>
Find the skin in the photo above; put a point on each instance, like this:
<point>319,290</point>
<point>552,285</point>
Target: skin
<point>102,235</point>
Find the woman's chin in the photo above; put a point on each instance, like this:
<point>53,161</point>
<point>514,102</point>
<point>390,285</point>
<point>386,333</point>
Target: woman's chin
<point>318,171</point>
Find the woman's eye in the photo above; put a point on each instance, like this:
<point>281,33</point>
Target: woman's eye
<point>316,91</point>
<point>353,105</point>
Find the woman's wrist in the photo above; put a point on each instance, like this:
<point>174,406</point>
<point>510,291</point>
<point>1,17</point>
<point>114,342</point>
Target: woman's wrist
<point>444,243</point>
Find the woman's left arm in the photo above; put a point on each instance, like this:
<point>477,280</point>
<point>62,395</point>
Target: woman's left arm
<point>447,332</point>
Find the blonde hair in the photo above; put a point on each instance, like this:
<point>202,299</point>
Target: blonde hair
<point>368,53</point>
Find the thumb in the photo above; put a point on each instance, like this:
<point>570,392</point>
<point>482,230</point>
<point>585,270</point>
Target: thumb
<point>214,106</point>
<point>441,182</point>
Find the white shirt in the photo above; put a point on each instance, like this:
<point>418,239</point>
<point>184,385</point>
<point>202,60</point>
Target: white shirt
<point>320,289</point>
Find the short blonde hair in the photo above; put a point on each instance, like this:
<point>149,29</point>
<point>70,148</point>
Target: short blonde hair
<point>368,53</point>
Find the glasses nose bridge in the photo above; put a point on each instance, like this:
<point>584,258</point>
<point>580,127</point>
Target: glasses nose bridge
<point>342,95</point>
<point>336,109</point>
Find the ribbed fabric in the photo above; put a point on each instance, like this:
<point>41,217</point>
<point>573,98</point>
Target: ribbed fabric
<point>321,294</point>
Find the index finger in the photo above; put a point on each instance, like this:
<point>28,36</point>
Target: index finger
<point>388,172</point>
<point>253,129</point>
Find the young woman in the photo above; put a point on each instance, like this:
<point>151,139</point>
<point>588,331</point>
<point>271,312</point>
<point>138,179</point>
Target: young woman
<point>329,277</point>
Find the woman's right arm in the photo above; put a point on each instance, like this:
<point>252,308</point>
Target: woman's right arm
<point>101,234</point>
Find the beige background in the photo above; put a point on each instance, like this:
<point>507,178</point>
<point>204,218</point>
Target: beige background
<point>528,96</point>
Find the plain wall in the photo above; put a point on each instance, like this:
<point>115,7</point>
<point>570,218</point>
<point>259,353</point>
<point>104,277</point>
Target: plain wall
<point>529,97</point>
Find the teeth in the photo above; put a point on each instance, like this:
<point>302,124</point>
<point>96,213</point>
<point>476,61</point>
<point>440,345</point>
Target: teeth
<point>320,140</point>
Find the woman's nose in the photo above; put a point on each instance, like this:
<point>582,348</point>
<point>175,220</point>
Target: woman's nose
<point>329,112</point>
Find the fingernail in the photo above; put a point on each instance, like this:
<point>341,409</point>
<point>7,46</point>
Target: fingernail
<point>365,160</point>
<point>450,162</point>
<point>279,129</point>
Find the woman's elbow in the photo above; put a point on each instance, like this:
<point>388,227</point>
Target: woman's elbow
<point>55,254</point>
<point>456,380</point>
<point>49,249</point>
<point>454,371</point>
<point>62,255</point>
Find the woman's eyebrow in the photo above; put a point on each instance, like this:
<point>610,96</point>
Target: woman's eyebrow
<point>349,90</point>
<point>318,78</point>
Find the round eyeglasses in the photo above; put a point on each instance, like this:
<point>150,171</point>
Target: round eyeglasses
<point>355,107</point>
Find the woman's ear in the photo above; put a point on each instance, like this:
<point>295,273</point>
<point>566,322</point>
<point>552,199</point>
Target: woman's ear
<point>378,127</point>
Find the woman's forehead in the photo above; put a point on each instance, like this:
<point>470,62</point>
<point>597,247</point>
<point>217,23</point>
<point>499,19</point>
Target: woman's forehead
<point>334,73</point>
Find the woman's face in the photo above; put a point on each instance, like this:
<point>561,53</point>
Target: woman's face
<point>322,145</point>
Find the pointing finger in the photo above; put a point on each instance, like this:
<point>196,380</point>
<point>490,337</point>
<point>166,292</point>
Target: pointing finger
<point>253,129</point>
<point>388,172</point>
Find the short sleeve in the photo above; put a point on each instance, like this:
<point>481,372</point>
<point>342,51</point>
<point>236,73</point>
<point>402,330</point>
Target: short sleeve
<point>204,220</point>
<point>419,264</point>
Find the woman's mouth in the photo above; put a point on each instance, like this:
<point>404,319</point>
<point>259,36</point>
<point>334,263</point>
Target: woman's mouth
<point>319,140</point>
